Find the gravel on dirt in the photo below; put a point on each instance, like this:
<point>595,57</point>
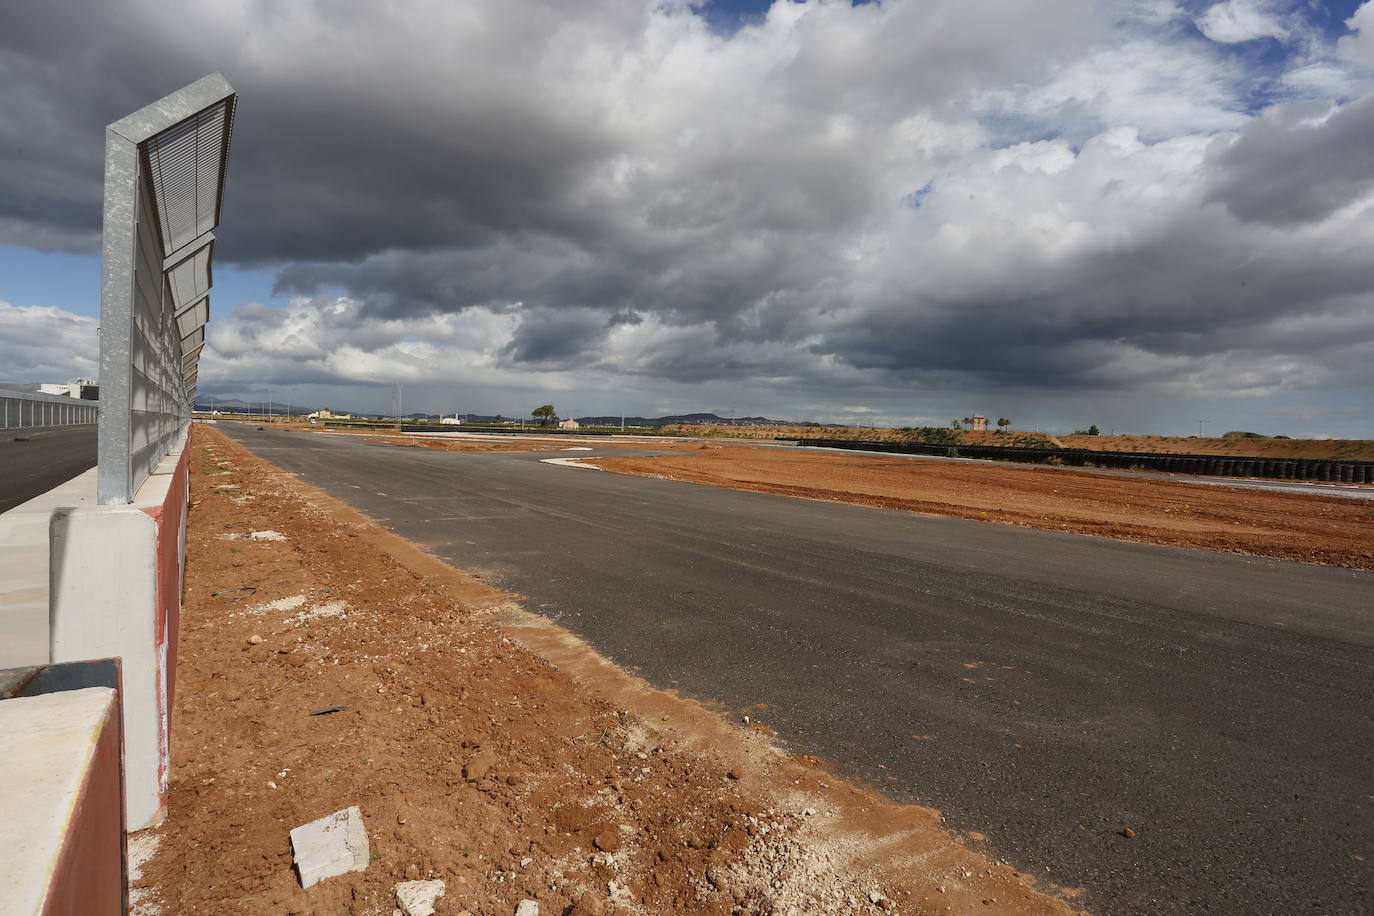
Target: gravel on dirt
<point>486,748</point>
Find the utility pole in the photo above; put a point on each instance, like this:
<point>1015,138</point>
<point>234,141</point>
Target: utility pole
<point>1200,425</point>
<point>396,400</point>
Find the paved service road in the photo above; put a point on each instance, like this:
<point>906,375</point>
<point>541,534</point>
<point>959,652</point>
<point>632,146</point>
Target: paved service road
<point>50,456</point>
<point>1045,689</point>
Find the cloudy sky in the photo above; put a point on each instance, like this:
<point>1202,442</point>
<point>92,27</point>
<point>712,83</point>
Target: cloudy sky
<point>1134,213</point>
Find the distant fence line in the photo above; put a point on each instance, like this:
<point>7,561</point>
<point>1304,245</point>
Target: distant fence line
<point>1318,469</point>
<point>30,410</point>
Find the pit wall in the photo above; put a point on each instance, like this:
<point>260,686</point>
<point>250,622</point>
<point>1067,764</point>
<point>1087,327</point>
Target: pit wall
<point>116,579</point>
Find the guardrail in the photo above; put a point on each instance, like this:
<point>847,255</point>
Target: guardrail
<point>30,410</point>
<point>1319,469</point>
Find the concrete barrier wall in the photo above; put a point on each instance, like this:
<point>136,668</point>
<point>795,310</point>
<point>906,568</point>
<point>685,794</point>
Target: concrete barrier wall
<point>115,591</point>
<point>59,753</point>
<point>30,409</point>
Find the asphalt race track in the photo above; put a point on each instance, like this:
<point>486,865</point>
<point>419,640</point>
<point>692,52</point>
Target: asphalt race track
<point>1047,690</point>
<point>51,455</point>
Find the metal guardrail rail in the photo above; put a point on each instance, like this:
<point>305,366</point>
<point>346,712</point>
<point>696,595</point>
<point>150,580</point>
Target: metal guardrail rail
<point>164,186</point>
<point>30,410</point>
<point>1335,471</point>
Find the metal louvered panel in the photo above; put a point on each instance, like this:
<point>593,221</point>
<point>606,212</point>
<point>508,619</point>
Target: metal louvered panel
<point>193,340</point>
<point>164,184</point>
<point>193,317</point>
<point>186,166</point>
<point>188,273</point>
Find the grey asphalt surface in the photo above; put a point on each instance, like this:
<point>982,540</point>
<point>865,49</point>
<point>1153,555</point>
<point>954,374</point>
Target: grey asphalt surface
<point>1064,687</point>
<point>51,455</point>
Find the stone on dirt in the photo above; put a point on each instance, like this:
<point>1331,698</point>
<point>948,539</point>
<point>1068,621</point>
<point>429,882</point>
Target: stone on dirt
<point>527,908</point>
<point>416,898</point>
<point>332,845</point>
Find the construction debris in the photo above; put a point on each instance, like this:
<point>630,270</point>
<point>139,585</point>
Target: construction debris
<point>333,845</point>
<point>416,898</point>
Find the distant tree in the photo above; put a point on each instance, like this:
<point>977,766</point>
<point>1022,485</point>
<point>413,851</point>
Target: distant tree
<point>1241,434</point>
<point>500,419</point>
<point>1003,423</point>
<point>1094,431</point>
<point>968,421</point>
<point>955,424</point>
<point>545,415</point>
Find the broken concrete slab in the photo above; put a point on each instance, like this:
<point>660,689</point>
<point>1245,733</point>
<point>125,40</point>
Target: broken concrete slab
<point>527,908</point>
<point>416,898</point>
<point>333,845</point>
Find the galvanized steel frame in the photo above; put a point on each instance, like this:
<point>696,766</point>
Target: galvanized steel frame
<point>164,189</point>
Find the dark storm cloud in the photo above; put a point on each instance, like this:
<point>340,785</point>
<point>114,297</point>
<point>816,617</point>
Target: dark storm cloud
<point>1295,165</point>
<point>556,338</point>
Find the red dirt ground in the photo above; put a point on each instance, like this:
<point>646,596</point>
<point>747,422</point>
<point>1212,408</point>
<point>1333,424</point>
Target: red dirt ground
<point>486,747</point>
<point>1313,529</point>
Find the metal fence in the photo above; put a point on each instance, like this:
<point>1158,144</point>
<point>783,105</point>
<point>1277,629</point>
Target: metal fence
<point>164,186</point>
<point>25,410</point>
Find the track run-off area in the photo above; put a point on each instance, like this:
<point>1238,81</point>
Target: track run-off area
<point>1049,693</point>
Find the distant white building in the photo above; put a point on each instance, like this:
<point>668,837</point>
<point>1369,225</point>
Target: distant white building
<point>450,421</point>
<point>77,388</point>
<point>327,414</point>
<point>569,423</point>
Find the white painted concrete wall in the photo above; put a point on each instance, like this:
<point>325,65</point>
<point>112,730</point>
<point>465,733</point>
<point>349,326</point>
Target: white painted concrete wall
<point>104,604</point>
<point>24,571</point>
<point>47,746</point>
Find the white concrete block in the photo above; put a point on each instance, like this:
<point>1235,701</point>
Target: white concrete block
<point>416,898</point>
<point>527,908</point>
<point>47,745</point>
<point>333,845</point>
<point>104,605</point>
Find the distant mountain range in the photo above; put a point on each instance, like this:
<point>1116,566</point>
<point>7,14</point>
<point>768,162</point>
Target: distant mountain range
<point>262,408</point>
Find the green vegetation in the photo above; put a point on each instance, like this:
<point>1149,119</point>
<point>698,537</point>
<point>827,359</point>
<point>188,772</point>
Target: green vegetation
<point>936,435</point>
<point>1242,434</point>
<point>545,415</point>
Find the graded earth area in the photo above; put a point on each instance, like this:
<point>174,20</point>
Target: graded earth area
<point>325,662</point>
<point>1314,529</point>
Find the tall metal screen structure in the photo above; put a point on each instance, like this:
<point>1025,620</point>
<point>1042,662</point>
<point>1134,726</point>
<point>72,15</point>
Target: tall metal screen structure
<point>164,185</point>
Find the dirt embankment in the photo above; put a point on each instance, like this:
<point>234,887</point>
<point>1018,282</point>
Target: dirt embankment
<point>869,434</point>
<point>485,746</point>
<point>1337,449</point>
<point>1314,529</point>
